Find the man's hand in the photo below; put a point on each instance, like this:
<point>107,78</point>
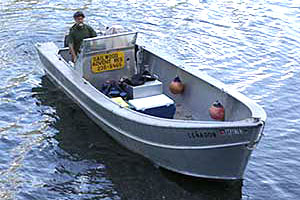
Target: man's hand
<point>74,58</point>
<point>72,51</point>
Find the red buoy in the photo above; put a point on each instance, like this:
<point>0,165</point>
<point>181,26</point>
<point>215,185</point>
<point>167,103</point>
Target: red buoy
<point>217,111</point>
<point>176,86</point>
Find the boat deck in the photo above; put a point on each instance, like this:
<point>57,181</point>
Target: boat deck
<point>182,113</point>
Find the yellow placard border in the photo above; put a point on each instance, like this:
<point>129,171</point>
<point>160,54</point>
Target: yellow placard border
<point>110,62</point>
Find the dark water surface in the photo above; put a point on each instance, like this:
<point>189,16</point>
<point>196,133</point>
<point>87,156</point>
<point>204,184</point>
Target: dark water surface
<point>49,149</point>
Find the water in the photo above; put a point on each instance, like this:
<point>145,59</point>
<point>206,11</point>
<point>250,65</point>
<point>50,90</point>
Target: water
<point>49,149</point>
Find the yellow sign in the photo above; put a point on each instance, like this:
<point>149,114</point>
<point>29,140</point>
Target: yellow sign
<point>106,62</point>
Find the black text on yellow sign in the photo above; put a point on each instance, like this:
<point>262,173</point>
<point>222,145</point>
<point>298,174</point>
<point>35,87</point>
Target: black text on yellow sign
<point>107,62</point>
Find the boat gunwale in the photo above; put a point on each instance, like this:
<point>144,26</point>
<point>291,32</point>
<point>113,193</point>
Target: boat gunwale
<point>95,95</point>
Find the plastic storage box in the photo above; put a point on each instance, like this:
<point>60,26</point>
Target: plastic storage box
<point>149,88</point>
<point>158,105</point>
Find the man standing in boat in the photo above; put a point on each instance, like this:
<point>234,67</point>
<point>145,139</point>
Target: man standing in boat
<point>78,32</point>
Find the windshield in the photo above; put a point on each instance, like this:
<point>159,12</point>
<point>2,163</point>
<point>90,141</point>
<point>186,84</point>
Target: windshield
<point>110,42</point>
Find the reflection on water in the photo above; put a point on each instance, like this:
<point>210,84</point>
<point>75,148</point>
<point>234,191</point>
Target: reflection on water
<point>102,165</point>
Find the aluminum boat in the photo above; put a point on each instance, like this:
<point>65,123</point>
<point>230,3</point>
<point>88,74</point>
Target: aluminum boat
<point>189,141</point>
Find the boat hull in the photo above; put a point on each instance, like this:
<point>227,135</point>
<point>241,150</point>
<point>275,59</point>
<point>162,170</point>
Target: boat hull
<point>213,162</point>
<point>200,149</point>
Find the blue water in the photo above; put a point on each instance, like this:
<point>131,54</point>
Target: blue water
<point>49,149</point>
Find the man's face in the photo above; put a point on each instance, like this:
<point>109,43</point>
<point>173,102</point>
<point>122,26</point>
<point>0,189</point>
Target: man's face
<point>79,20</point>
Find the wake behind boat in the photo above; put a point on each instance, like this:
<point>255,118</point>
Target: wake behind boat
<point>177,117</point>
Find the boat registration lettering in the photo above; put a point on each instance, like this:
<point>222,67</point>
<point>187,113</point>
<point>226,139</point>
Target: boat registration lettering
<point>232,132</point>
<point>202,134</point>
<point>107,62</point>
<point>214,134</point>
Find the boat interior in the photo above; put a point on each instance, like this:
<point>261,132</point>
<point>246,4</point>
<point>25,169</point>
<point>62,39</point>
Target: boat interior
<point>139,79</point>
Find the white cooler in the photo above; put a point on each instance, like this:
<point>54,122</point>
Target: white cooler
<point>157,105</point>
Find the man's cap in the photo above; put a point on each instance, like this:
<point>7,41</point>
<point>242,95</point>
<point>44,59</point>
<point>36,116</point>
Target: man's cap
<point>78,14</point>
